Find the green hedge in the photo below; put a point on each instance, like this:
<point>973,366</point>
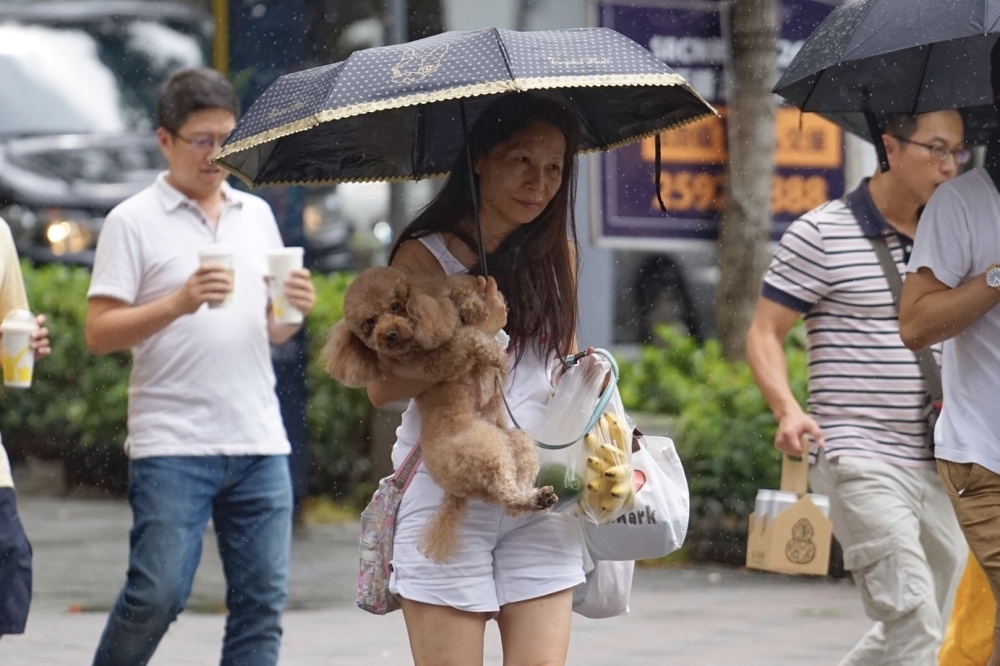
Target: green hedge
<point>76,408</point>
<point>338,417</point>
<point>723,429</point>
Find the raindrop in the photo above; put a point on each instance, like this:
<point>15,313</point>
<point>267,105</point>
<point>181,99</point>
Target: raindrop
<point>258,11</point>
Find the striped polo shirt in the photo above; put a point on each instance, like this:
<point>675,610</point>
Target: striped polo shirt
<point>866,390</point>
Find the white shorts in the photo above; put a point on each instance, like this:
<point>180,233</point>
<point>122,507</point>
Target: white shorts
<point>499,559</point>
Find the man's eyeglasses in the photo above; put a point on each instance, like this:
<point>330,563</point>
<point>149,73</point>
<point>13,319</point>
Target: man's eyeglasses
<point>940,153</point>
<point>202,141</point>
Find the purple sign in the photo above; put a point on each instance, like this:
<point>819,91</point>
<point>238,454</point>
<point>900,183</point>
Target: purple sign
<point>689,36</point>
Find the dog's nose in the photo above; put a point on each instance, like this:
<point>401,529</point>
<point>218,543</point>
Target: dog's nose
<point>391,337</point>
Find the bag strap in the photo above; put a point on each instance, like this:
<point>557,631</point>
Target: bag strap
<point>609,390</point>
<point>925,357</point>
<point>402,477</point>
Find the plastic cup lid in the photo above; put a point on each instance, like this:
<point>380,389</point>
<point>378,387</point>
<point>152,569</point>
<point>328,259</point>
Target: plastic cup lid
<point>216,250</point>
<point>19,320</point>
<point>286,251</point>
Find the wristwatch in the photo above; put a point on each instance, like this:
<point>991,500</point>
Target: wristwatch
<point>993,276</point>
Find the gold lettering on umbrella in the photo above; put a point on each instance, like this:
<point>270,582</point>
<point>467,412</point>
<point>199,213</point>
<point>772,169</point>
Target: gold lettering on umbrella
<point>580,61</point>
<point>285,110</point>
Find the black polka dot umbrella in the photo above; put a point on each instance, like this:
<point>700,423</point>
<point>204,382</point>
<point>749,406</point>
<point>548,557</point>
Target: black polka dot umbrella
<point>395,112</point>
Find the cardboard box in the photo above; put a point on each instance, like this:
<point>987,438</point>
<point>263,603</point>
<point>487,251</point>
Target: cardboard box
<point>797,541</point>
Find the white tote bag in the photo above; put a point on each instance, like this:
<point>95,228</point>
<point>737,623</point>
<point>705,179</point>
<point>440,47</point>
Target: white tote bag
<point>658,523</point>
<point>656,527</point>
<point>606,591</point>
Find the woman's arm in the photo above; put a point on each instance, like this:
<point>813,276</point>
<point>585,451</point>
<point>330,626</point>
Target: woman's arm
<point>390,389</point>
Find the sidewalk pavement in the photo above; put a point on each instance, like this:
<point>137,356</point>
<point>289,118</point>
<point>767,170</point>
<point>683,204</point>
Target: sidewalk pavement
<point>686,615</point>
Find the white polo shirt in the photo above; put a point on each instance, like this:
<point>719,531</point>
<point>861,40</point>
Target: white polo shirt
<point>958,239</point>
<point>204,385</point>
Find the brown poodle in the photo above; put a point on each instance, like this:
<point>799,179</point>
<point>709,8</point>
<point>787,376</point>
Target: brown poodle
<point>423,328</point>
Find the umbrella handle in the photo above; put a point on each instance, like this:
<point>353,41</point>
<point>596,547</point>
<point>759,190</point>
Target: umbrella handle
<point>659,192</point>
<point>873,129</point>
<point>472,190</point>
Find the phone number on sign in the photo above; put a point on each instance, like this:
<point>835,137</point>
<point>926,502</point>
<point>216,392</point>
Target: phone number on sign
<point>688,192</point>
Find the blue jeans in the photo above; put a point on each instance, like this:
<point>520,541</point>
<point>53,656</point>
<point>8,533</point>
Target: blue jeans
<point>15,567</point>
<point>249,499</point>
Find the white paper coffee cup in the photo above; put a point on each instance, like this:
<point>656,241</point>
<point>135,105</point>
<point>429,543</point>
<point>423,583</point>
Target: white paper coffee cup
<point>280,265</point>
<point>219,255</point>
<point>18,357</point>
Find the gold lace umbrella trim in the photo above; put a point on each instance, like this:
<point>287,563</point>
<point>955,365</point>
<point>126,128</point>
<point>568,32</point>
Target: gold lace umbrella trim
<point>458,92</point>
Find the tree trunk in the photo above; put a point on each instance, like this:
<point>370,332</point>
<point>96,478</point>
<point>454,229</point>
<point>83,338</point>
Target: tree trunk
<point>745,223</point>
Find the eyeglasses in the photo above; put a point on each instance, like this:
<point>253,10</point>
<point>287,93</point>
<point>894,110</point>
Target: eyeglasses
<point>940,153</point>
<point>202,141</point>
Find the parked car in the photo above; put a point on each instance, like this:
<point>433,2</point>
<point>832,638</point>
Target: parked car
<point>77,113</point>
<point>77,121</point>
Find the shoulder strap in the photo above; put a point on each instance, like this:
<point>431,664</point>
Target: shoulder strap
<point>437,246</point>
<point>925,357</point>
<point>404,474</point>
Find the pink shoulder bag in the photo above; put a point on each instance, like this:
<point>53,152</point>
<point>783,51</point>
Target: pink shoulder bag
<point>378,525</point>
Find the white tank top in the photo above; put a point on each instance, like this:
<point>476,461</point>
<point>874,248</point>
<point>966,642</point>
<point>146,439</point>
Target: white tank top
<point>529,385</point>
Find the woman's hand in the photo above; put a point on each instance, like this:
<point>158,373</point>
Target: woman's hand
<point>590,365</point>
<point>496,305</point>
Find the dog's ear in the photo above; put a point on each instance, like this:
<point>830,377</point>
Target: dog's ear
<point>435,318</point>
<point>347,359</point>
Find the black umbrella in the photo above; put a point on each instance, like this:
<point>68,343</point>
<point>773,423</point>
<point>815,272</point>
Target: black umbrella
<point>874,58</point>
<point>400,112</point>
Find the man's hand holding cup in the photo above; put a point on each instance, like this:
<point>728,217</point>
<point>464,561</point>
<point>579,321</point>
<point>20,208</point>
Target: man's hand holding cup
<point>299,293</point>
<point>208,284</point>
<point>292,292</point>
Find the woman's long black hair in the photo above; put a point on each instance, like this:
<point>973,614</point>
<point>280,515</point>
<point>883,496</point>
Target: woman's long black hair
<point>534,267</point>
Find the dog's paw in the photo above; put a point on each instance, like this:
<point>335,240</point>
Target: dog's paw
<point>545,498</point>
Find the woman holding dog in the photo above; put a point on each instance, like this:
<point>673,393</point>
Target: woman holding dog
<point>520,571</point>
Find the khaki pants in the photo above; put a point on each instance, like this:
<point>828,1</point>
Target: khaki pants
<point>975,494</point>
<point>905,550</point>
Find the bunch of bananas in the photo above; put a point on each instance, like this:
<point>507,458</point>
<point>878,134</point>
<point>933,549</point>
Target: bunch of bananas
<point>608,489</point>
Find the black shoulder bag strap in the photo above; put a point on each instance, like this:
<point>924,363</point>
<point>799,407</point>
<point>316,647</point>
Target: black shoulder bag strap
<point>928,366</point>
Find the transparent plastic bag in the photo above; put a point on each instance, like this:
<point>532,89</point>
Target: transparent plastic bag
<point>585,442</point>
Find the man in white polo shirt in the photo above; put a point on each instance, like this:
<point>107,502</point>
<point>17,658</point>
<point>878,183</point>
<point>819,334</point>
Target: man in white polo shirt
<point>950,295</point>
<point>867,392</point>
<point>205,437</point>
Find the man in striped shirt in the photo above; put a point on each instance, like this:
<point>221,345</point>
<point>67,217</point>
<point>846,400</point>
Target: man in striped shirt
<point>866,391</point>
